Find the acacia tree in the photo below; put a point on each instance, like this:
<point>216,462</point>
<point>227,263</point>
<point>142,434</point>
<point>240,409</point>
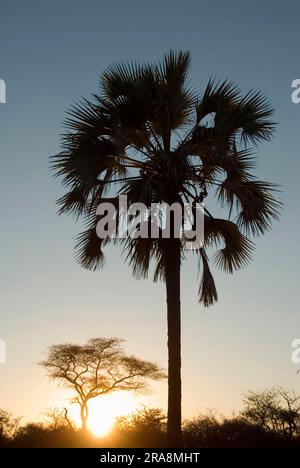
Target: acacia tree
<point>147,135</point>
<point>8,425</point>
<point>57,418</point>
<point>97,368</point>
<point>276,410</point>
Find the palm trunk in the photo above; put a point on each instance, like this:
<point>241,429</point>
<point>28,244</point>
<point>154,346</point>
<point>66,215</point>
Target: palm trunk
<point>174,343</point>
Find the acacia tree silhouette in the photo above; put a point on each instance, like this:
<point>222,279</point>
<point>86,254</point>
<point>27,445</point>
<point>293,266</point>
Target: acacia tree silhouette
<point>8,425</point>
<point>97,368</point>
<point>148,134</point>
<point>276,410</point>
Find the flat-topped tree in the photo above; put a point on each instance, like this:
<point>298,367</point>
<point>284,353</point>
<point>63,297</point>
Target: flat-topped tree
<point>152,137</point>
<point>97,368</point>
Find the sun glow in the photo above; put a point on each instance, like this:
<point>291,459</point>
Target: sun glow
<point>104,410</point>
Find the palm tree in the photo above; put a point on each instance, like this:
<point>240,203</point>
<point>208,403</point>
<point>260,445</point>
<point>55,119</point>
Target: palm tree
<point>146,134</point>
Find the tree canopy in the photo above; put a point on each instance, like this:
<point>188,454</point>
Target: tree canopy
<point>98,367</point>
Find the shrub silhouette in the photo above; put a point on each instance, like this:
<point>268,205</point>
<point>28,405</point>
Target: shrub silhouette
<point>147,428</point>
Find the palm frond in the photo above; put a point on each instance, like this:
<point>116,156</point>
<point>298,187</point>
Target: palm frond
<point>257,206</point>
<point>207,290</point>
<point>237,164</point>
<point>74,202</point>
<point>175,101</point>
<point>139,253</point>
<point>122,79</point>
<point>238,248</point>
<point>217,97</point>
<point>88,249</point>
<point>84,160</point>
<point>89,118</point>
<point>249,118</point>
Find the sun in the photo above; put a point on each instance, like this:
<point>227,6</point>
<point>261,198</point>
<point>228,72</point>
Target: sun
<point>104,410</point>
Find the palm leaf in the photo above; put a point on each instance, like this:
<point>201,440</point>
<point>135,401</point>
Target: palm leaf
<point>238,248</point>
<point>207,289</point>
<point>88,249</point>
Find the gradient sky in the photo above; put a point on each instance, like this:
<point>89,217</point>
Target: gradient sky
<point>51,53</point>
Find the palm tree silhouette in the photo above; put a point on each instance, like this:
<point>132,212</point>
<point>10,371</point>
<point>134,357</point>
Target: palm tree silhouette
<point>150,136</point>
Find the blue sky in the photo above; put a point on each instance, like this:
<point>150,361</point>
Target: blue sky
<point>51,53</point>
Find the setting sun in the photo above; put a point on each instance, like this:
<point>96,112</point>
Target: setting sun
<point>104,410</point>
